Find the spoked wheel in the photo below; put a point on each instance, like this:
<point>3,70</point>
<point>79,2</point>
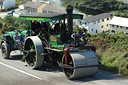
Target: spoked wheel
<point>34,46</point>
<point>5,50</point>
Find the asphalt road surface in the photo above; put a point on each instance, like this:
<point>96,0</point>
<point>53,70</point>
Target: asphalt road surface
<point>15,72</point>
<point>2,15</point>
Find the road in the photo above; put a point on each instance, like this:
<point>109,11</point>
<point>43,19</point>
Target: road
<point>3,14</point>
<point>15,72</point>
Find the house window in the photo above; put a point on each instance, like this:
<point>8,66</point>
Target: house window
<point>55,12</point>
<point>127,28</point>
<point>112,25</point>
<point>92,29</point>
<point>52,12</point>
<point>117,26</point>
<point>96,31</point>
<point>94,22</point>
<point>27,7</point>
<point>103,31</point>
<point>107,18</point>
<point>113,31</point>
<point>49,11</point>
<point>80,22</point>
<point>107,25</point>
<point>102,26</point>
<point>1,3</point>
<point>85,23</point>
<point>44,11</point>
<point>120,26</point>
<point>126,33</point>
<point>103,20</point>
<point>34,9</point>
<point>98,21</point>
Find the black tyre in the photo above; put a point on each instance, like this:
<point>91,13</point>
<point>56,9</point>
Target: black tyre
<point>5,48</point>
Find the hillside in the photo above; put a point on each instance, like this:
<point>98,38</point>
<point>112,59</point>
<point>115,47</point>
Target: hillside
<point>111,50</point>
<point>93,7</point>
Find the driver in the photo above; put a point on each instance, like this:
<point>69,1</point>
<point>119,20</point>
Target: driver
<point>35,27</point>
<point>17,39</point>
<point>57,28</point>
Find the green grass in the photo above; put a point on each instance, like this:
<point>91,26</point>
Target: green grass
<point>114,62</point>
<point>110,51</point>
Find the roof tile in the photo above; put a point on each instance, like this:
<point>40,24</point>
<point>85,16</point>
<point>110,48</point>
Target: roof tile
<point>2,0</point>
<point>32,4</point>
<point>55,8</point>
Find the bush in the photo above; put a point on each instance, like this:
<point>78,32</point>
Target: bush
<point>2,10</point>
<point>11,8</point>
<point>9,28</point>
<point>111,50</point>
<point>14,23</point>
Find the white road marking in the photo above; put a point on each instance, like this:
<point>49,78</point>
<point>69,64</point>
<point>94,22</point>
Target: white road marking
<point>21,71</point>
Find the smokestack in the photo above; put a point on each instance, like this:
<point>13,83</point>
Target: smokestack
<point>69,10</point>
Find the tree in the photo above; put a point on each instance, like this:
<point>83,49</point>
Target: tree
<point>16,22</point>
<point>93,7</point>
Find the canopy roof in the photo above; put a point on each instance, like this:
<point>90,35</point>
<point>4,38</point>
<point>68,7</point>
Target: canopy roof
<point>47,16</point>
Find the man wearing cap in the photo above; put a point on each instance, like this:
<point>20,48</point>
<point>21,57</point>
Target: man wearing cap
<point>16,38</point>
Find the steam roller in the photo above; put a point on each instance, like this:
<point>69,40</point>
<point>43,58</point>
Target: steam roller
<point>76,59</point>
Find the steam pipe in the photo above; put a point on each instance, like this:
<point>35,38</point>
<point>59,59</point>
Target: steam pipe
<point>69,10</point>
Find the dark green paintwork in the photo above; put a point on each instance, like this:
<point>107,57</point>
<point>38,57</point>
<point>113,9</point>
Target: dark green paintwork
<point>56,42</point>
<point>1,37</point>
<point>12,33</point>
<point>36,19</point>
<point>47,17</point>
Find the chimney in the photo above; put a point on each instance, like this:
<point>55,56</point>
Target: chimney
<point>69,10</point>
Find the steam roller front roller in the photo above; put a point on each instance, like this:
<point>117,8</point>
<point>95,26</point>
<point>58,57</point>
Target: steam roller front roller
<point>33,47</point>
<point>80,64</point>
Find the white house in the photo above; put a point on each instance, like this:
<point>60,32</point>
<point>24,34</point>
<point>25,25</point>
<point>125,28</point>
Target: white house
<point>119,24</point>
<point>6,4</point>
<point>96,24</point>
<point>21,7</point>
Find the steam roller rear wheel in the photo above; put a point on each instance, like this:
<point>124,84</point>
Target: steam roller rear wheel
<point>78,59</point>
<point>34,45</point>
